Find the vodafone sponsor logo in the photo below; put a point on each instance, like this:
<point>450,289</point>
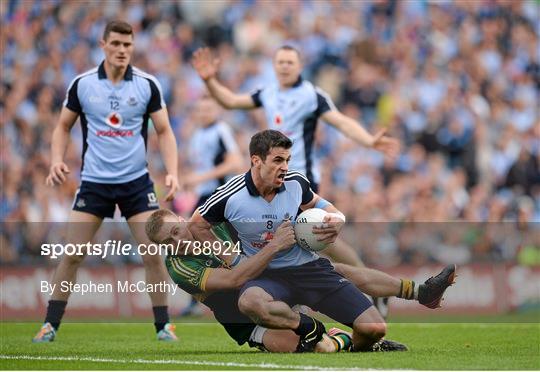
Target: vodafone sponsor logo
<point>114,133</point>
<point>114,119</point>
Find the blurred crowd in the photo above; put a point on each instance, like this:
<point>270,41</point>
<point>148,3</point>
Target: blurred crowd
<point>457,82</point>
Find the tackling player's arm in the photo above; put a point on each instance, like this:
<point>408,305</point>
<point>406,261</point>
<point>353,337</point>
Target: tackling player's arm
<point>207,68</point>
<point>219,279</point>
<point>59,143</point>
<point>168,149</point>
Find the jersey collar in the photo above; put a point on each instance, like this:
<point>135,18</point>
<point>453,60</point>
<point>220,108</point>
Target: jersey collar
<point>103,75</point>
<point>252,189</point>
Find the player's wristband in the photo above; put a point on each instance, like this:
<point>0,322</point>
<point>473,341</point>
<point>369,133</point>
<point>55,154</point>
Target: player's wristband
<point>322,203</point>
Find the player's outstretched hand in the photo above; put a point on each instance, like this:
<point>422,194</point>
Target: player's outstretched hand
<point>284,237</point>
<point>387,145</point>
<point>57,174</point>
<point>329,231</point>
<point>204,63</point>
<point>172,183</point>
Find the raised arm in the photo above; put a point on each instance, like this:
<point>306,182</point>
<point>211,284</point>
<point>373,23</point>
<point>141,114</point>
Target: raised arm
<point>207,68</point>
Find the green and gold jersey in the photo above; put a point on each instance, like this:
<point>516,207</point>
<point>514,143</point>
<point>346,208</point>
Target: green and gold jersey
<point>191,272</point>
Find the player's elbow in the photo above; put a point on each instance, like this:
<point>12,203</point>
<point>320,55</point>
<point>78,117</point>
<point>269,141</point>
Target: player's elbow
<point>227,104</point>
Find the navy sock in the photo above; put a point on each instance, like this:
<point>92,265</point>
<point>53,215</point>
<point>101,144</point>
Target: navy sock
<point>161,317</point>
<point>55,312</point>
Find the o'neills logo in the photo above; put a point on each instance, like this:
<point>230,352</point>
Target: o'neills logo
<point>114,133</point>
<point>114,119</point>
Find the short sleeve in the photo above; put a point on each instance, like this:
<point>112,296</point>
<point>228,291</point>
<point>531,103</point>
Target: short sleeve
<point>72,98</point>
<point>324,102</point>
<point>256,97</point>
<point>213,211</point>
<point>227,138</point>
<point>156,101</point>
<point>305,185</point>
<point>189,274</point>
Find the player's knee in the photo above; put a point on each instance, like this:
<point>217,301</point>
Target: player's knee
<point>373,331</point>
<point>247,302</point>
<point>250,303</point>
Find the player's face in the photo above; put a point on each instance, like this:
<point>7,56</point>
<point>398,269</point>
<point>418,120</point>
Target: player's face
<point>206,112</point>
<point>175,230</point>
<point>287,67</point>
<point>118,49</point>
<point>274,168</point>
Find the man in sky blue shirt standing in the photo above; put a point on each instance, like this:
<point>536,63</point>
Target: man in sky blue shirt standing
<point>114,103</point>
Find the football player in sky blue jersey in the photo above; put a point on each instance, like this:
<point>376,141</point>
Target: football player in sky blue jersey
<point>114,103</point>
<point>255,205</point>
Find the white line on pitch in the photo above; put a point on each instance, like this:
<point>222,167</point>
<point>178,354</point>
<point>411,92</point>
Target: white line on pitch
<point>179,362</point>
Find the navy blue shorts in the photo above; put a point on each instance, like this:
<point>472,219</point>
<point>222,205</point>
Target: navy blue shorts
<point>317,285</point>
<point>100,199</point>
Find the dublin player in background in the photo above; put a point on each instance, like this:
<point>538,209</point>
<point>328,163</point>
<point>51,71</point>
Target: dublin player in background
<point>214,157</point>
<point>114,102</point>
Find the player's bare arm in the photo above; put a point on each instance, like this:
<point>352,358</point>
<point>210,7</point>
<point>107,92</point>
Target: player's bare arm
<point>250,268</point>
<point>168,149</point>
<point>355,131</point>
<point>207,67</point>
<point>59,143</point>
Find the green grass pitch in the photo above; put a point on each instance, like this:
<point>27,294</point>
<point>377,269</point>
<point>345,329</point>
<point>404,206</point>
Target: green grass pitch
<point>205,346</point>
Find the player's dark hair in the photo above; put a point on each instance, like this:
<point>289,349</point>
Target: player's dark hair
<point>262,142</point>
<point>154,223</point>
<point>290,48</point>
<point>120,27</point>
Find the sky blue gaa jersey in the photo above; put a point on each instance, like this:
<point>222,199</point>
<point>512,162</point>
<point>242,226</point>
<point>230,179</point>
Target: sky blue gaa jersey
<point>295,112</point>
<point>207,149</point>
<point>255,220</point>
<point>114,120</point>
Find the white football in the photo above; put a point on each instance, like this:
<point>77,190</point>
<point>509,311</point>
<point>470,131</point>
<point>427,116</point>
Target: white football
<point>303,229</point>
